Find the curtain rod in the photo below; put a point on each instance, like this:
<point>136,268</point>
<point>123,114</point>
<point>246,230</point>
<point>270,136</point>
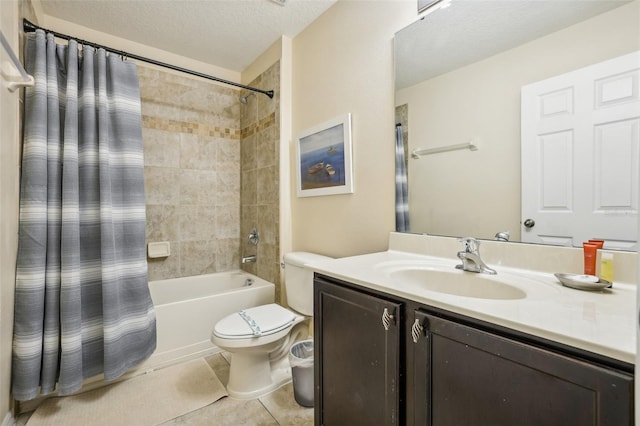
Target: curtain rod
<point>30,27</point>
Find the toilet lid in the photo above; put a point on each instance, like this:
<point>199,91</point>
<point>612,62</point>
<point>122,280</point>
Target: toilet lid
<point>254,322</point>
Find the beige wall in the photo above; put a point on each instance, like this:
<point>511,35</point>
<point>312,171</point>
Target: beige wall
<point>343,63</point>
<point>482,101</point>
<point>9,153</point>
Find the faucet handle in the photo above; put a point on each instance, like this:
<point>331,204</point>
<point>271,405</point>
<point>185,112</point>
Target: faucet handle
<point>471,245</point>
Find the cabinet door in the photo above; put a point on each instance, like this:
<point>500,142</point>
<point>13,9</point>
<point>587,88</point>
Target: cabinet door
<point>357,357</point>
<point>465,376</point>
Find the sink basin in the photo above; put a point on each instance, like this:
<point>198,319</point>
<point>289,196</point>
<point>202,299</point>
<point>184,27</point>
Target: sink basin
<point>458,283</point>
<point>430,263</point>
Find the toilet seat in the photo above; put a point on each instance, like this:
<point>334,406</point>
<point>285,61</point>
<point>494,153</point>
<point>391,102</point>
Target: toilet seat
<point>255,322</point>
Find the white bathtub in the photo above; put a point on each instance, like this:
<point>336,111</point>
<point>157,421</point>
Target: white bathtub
<point>187,309</point>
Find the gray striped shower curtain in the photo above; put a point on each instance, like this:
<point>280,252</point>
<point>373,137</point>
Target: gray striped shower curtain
<point>402,193</point>
<point>82,303</point>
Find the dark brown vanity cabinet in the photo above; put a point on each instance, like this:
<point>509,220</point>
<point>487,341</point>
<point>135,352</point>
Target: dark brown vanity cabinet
<point>467,376</point>
<point>357,351</point>
<point>426,366</point>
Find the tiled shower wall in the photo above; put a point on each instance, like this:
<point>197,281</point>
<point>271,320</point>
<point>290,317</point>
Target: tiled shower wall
<point>260,154</point>
<point>211,174</point>
<point>191,134</point>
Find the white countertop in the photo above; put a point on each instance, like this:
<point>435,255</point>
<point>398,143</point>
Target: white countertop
<point>602,322</point>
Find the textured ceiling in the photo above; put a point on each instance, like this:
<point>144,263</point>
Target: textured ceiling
<point>469,30</point>
<point>227,33</point>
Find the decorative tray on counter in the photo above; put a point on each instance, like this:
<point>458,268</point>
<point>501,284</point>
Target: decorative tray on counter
<point>583,282</point>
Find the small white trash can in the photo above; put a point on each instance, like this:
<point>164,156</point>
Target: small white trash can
<point>301,360</point>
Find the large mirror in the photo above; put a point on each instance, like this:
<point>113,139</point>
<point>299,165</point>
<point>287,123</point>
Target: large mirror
<point>462,72</point>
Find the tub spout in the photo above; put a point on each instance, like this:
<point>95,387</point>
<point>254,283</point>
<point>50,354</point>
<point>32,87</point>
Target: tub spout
<point>249,259</point>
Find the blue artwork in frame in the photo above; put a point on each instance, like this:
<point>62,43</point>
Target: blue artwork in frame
<point>323,155</point>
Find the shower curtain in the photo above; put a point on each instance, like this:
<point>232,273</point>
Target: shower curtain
<point>82,304</point>
<point>402,195</point>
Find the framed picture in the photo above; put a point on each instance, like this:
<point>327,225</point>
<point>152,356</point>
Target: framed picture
<point>323,158</point>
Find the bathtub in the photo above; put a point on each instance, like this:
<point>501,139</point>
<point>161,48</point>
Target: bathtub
<point>186,311</point>
<point>188,308</point>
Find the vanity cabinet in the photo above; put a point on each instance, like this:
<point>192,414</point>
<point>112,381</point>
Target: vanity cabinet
<point>434,367</point>
<point>358,357</point>
<point>467,376</point>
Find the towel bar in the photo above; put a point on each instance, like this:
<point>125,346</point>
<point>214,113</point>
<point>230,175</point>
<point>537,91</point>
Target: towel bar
<point>26,80</point>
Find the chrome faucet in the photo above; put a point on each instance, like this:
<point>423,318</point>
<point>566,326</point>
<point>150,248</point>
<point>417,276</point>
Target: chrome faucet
<point>502,236</point>
<point>470,257</point>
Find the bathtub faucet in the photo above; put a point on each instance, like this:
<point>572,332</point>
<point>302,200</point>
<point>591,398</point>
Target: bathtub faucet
<point>249,259</point>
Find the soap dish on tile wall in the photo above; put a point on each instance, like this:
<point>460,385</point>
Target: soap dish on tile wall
<point>583,282</point>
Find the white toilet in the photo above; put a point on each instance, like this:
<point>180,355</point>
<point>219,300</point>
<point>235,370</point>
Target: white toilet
<point>259,338</point>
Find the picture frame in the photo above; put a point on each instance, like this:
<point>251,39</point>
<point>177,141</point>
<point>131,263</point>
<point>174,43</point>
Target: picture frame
<point>323,158</point>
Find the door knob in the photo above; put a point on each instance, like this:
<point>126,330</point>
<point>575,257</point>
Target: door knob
<point>529,223</point>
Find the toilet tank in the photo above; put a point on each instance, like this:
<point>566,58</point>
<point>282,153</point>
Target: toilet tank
<point>299,281</point>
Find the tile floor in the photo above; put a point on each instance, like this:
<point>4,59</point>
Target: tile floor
<point>275,409</point>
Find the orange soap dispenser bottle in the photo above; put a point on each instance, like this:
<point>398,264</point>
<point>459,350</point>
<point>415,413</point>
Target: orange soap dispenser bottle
<point>590,251</point>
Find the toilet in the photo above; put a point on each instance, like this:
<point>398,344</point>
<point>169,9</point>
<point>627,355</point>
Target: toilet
<point>259,338</point>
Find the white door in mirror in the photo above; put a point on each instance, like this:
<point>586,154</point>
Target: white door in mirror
<point>591,115</point>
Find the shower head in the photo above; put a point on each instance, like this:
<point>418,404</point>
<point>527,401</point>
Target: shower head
<point>244,99</point>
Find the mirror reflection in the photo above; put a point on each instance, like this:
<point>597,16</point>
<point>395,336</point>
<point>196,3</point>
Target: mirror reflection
<point>469,72</point>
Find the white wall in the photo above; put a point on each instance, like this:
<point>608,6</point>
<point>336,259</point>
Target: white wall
<point>9,153</point>
<point>343,63</point>
<point>460,190</point>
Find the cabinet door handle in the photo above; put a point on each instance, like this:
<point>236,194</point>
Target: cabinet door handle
<point>387,319</point>
<point>416,330</point>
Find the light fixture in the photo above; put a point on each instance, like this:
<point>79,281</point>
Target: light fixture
<point>280,2</point>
